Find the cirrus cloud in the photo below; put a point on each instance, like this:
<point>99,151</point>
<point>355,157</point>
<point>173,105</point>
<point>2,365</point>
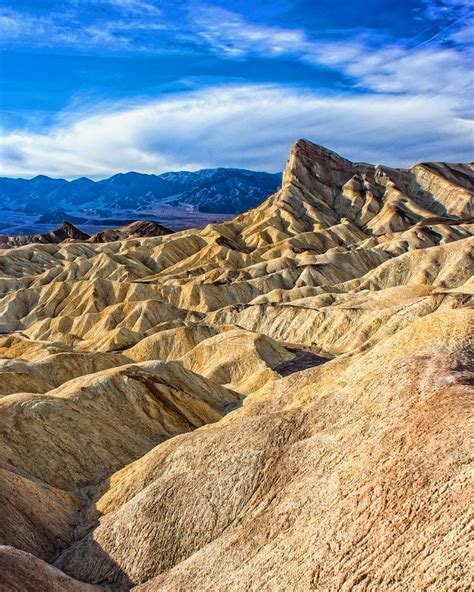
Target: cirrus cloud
<point>248,126</point>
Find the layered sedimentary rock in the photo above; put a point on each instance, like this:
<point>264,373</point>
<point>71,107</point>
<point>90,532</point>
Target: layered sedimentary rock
<point>278,402</point>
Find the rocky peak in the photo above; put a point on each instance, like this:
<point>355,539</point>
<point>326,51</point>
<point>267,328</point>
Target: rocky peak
<point>137,229</point>
<point>309,163</point>
<point>320,189</point>
<point>68,229</point>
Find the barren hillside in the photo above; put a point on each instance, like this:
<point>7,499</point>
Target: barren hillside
<point>278,402</point>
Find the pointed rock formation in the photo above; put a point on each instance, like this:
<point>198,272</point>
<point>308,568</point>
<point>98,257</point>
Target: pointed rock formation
<point>138,229</point>
<point>64,232</point>
<point>321,189</point>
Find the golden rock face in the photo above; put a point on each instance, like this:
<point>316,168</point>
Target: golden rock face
<point>277,402</point>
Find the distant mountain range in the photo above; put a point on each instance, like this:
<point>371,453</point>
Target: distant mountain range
<point>220,191</point>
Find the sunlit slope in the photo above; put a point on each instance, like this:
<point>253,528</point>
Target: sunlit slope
<point>277,402</point>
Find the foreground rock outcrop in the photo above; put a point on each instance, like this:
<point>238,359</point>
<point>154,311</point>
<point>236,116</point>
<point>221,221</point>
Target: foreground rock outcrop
<point>277,402</point>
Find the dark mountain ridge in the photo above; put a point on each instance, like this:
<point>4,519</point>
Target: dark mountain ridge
<point>221,190</point>
<point>67,231</point>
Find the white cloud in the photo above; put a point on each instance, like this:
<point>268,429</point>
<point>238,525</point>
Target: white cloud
<point>120,30</point>
<point>370,62</point>
<point>243,126</point>
<point>450,9</point>
<point>394,69</point>
<point>230,34</point>
<point>132,6</point>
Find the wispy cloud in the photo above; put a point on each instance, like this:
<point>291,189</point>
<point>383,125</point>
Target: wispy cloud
<point>447,9</point>
<point>230,34</point>
<point>204,129</point>
<point>119,30</point>
<point>131,6</point>
<point>371,62</point>
<point>393,68</point>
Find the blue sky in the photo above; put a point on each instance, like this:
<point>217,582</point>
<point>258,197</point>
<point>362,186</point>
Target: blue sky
<point>94,87</point>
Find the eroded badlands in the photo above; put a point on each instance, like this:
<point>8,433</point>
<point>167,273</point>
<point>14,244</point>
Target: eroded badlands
<point>277,402</point>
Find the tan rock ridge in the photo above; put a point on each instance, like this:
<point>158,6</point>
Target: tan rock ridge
<point>278,402</point>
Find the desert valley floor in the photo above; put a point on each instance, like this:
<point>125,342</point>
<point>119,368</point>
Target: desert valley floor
<point>278,402</point>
